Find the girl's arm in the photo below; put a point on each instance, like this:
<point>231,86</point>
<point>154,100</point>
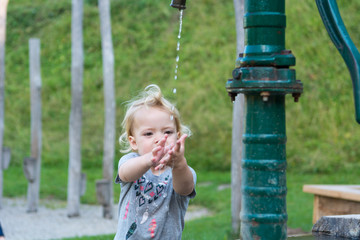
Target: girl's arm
<point>183,181</point>
<point>134,168</point>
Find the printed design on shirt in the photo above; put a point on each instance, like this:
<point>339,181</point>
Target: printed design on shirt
<point>159,188</point>
<point>126,209</point>
<point>145,217</point>
<point>131,230</point>
<point>152,228</point>
<point>148,187</point>
<point>141,201</point>
<point>141,180</point>
<point>147,192</point>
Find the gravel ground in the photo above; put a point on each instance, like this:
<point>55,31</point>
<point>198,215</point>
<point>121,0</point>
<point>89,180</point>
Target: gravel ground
<point>51,221</point>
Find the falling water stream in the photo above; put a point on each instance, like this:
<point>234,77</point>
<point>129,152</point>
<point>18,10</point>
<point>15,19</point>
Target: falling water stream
<point>178,51</point>
<point>177,57</point>
<point>176,72</point>
<point>177,62</point>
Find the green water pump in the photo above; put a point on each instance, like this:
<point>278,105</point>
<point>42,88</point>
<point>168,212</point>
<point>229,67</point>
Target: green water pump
<point>263,74</point>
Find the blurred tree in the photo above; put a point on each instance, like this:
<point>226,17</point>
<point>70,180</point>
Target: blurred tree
<point>237,128</point>
<point>77,69</point>
<point>109,98</point>
<point>3,10</point>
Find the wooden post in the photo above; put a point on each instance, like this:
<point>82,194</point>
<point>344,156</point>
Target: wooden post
<point>77,69</point>
<point>237,129</point>
<point>3,10</point>
<point>103,188</point>
<point>36,141</point>
<point>109,98</point>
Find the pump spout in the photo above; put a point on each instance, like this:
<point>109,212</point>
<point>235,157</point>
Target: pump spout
<point>332,20</point>
<point>180,4</point>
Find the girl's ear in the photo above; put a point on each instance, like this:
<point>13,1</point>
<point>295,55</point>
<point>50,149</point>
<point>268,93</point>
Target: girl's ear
<point>178,135</point>
<point>133,143</point>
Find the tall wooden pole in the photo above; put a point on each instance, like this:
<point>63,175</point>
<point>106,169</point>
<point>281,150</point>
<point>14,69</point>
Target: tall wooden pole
<point>77,68</point>
<point>3,10</point>
<point>237,129</point>
<point>109,98</point>
<point>36,140</point>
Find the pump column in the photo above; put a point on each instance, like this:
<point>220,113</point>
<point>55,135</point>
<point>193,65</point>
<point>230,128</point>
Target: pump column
<point>262,73</point>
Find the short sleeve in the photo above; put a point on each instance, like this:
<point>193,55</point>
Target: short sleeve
<point>122,160</point>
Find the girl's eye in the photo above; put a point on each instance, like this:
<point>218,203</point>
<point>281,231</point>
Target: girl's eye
<point>148,134</point>
<point>169,132</point>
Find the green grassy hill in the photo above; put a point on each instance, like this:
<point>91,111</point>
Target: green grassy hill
<point>322,132</point>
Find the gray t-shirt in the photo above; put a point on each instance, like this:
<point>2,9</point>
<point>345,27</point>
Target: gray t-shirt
<point>149,208</point>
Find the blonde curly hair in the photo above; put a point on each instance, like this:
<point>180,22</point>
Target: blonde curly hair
<point>150,97</point>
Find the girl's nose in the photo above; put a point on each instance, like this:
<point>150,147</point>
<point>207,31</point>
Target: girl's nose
<point>158,136</point>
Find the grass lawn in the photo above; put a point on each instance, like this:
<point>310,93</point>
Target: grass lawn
<point>218,225</point>
<point>321,128</point>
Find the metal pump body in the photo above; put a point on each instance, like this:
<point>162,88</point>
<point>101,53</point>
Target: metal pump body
<point>263,74</point>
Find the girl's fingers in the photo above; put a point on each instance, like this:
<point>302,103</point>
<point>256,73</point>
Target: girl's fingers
<point>169,147</point>
<point>182,139</point>
<point>165,159</point>
<point>163,140</point>
<point>180,142</point>
<point>159,167</point>
<point>156,150</point>
<point>177,146</point>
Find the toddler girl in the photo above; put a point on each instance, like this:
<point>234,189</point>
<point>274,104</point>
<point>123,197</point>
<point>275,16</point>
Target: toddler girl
<point>156,182</point>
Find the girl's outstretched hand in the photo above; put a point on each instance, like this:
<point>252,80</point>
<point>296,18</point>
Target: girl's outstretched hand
<point>177,152</point>
<point>159,151</point>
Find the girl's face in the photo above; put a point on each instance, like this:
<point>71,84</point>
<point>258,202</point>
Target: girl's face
<point>150,125</point>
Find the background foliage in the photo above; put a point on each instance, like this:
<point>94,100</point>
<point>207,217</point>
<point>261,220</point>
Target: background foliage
<point>322,134</point>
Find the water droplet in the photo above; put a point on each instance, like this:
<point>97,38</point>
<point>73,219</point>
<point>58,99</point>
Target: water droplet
<point>175,77</point>
<point>177,58</point>
<point>174,90</point>
<point>172,117</point>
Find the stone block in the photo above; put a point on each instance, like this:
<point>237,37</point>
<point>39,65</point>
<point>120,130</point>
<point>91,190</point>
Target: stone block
<point>30,168</point>
<point>103,191</point>
<point>342,226</point>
